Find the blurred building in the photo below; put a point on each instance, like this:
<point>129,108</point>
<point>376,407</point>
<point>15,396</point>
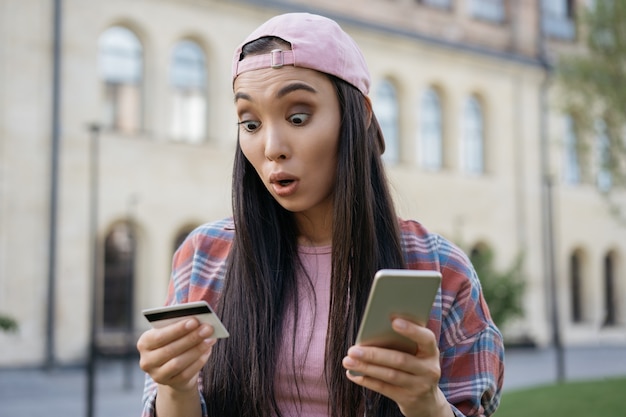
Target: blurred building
<point>128,127</point>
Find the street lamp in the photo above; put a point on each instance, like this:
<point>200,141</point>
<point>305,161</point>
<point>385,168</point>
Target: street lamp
<point>547,185</point>
<point>94,148</point>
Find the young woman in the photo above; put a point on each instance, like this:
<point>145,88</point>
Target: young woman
<point>290,272</point>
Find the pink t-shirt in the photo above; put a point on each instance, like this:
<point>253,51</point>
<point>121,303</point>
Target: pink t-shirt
<point>308,359</point>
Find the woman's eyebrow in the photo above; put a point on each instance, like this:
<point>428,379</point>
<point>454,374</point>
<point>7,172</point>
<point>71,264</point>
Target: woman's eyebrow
<point>242,96</point>
<point>281,93</point>
<point>294,87</point>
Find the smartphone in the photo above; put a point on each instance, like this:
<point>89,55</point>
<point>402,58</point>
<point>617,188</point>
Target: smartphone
<point>162,316</point>
<point>397,293</point>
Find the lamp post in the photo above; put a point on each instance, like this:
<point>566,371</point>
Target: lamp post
<point>94,148</point>
<point>129,365</point>
<point>50,357</point>
<point>547,185</point>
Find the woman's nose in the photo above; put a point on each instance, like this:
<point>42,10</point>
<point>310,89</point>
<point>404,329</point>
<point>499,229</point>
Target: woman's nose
<point>276,145</point>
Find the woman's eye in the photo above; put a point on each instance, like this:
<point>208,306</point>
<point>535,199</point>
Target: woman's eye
<point>298,118</point>
<point>250,125</point>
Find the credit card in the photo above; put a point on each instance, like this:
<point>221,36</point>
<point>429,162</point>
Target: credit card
<point>163,316</point>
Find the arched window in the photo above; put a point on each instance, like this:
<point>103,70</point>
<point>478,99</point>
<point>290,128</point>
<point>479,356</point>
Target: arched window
<point>472,141</point>
<point>430,141</point>
<point>188,89</point>
<point>121,71</point>
<point>576,290</point>
<point>571,171</point>
<point>610,308</point>
<point>386,109</point>
<point>181,236</point>
<point>603,156</point>
<point>119,261</point>
<point>480,249</point>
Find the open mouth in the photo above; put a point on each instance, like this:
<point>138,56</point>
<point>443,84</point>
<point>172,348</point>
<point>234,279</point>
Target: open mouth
<point>284,184</point>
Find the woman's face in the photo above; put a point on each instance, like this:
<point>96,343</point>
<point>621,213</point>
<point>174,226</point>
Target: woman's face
<point>289,131</point>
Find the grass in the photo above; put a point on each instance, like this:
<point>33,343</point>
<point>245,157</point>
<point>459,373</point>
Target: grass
<point>601,398</point>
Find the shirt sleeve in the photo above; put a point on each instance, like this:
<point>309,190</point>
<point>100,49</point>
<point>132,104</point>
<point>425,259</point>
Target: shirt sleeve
<point>472,374</point>
<point>197,268</point>
<point>149,398</point>
<point>471,346</point>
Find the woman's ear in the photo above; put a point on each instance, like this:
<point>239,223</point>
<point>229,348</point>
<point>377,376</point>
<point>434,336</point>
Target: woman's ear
<point>379,133</point>
<point>368,104</point>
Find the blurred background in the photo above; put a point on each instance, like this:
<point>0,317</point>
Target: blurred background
<point>505,132</point>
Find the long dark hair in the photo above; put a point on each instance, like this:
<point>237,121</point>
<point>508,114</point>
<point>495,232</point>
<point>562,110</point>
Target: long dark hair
<point>260,280</point>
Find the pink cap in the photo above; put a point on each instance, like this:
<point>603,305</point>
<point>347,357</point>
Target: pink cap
<point>317,43</point>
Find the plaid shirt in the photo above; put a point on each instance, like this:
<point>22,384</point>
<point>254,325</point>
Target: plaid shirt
<point>470,345</point>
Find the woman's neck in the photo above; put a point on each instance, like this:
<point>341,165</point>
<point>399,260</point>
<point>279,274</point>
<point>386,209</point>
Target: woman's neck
<point>314,231</point>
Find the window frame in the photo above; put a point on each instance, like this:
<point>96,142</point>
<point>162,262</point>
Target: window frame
<point>121,69</point>
<point>430,132</point>
<point>473,137</point>
<point>386,107</point>
<point>481,10</point>
<point>188,79</point>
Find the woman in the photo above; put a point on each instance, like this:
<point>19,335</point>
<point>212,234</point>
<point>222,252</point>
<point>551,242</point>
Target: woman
<point>289,274</point>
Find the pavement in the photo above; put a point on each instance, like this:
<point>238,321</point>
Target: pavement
<point>61,392</point>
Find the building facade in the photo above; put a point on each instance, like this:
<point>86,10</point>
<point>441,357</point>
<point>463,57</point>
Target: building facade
<point>118,141</point>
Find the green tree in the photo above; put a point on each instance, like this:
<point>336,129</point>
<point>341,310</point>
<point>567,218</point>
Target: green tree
<point>593,88</point>
<point>503,291</point>
<point>7,324</point>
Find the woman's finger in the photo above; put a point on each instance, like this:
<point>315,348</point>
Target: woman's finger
<point>424,337</point>
<point>158,346</point>
<point>184,367</point>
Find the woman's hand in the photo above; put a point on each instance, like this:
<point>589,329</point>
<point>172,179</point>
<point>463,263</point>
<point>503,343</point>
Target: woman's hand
<point>409,380</point>
<point>174,355</point>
